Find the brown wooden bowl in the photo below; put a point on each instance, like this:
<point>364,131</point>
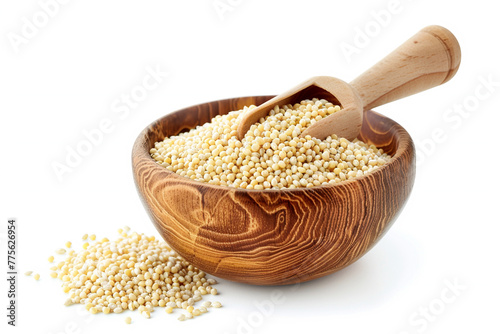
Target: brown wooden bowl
<point>272,237</point>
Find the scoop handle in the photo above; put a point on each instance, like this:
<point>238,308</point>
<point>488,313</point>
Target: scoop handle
<point>428,59</point>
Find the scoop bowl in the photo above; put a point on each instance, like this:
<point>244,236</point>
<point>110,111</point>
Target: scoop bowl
<point>272,237</point>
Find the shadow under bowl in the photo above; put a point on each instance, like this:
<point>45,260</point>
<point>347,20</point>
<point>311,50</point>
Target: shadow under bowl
<point>272,237</point>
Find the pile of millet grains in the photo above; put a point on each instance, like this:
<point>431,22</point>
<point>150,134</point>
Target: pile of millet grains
<point>133,272</point>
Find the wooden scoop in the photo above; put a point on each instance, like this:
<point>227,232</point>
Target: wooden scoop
<point>428,59</point>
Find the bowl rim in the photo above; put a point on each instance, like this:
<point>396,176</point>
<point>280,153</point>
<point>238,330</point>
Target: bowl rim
<point>138,150</point>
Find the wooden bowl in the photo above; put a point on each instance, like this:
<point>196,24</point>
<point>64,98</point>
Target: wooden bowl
<point>272,237</point>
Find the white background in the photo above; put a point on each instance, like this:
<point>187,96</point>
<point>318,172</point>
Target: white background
<point>69,75</point>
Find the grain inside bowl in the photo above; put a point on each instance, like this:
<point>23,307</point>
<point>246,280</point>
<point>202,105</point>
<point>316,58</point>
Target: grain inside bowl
<point>271,155</point>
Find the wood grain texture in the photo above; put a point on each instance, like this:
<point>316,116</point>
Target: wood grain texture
<point>428,59</point>
<point>272,237</point>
